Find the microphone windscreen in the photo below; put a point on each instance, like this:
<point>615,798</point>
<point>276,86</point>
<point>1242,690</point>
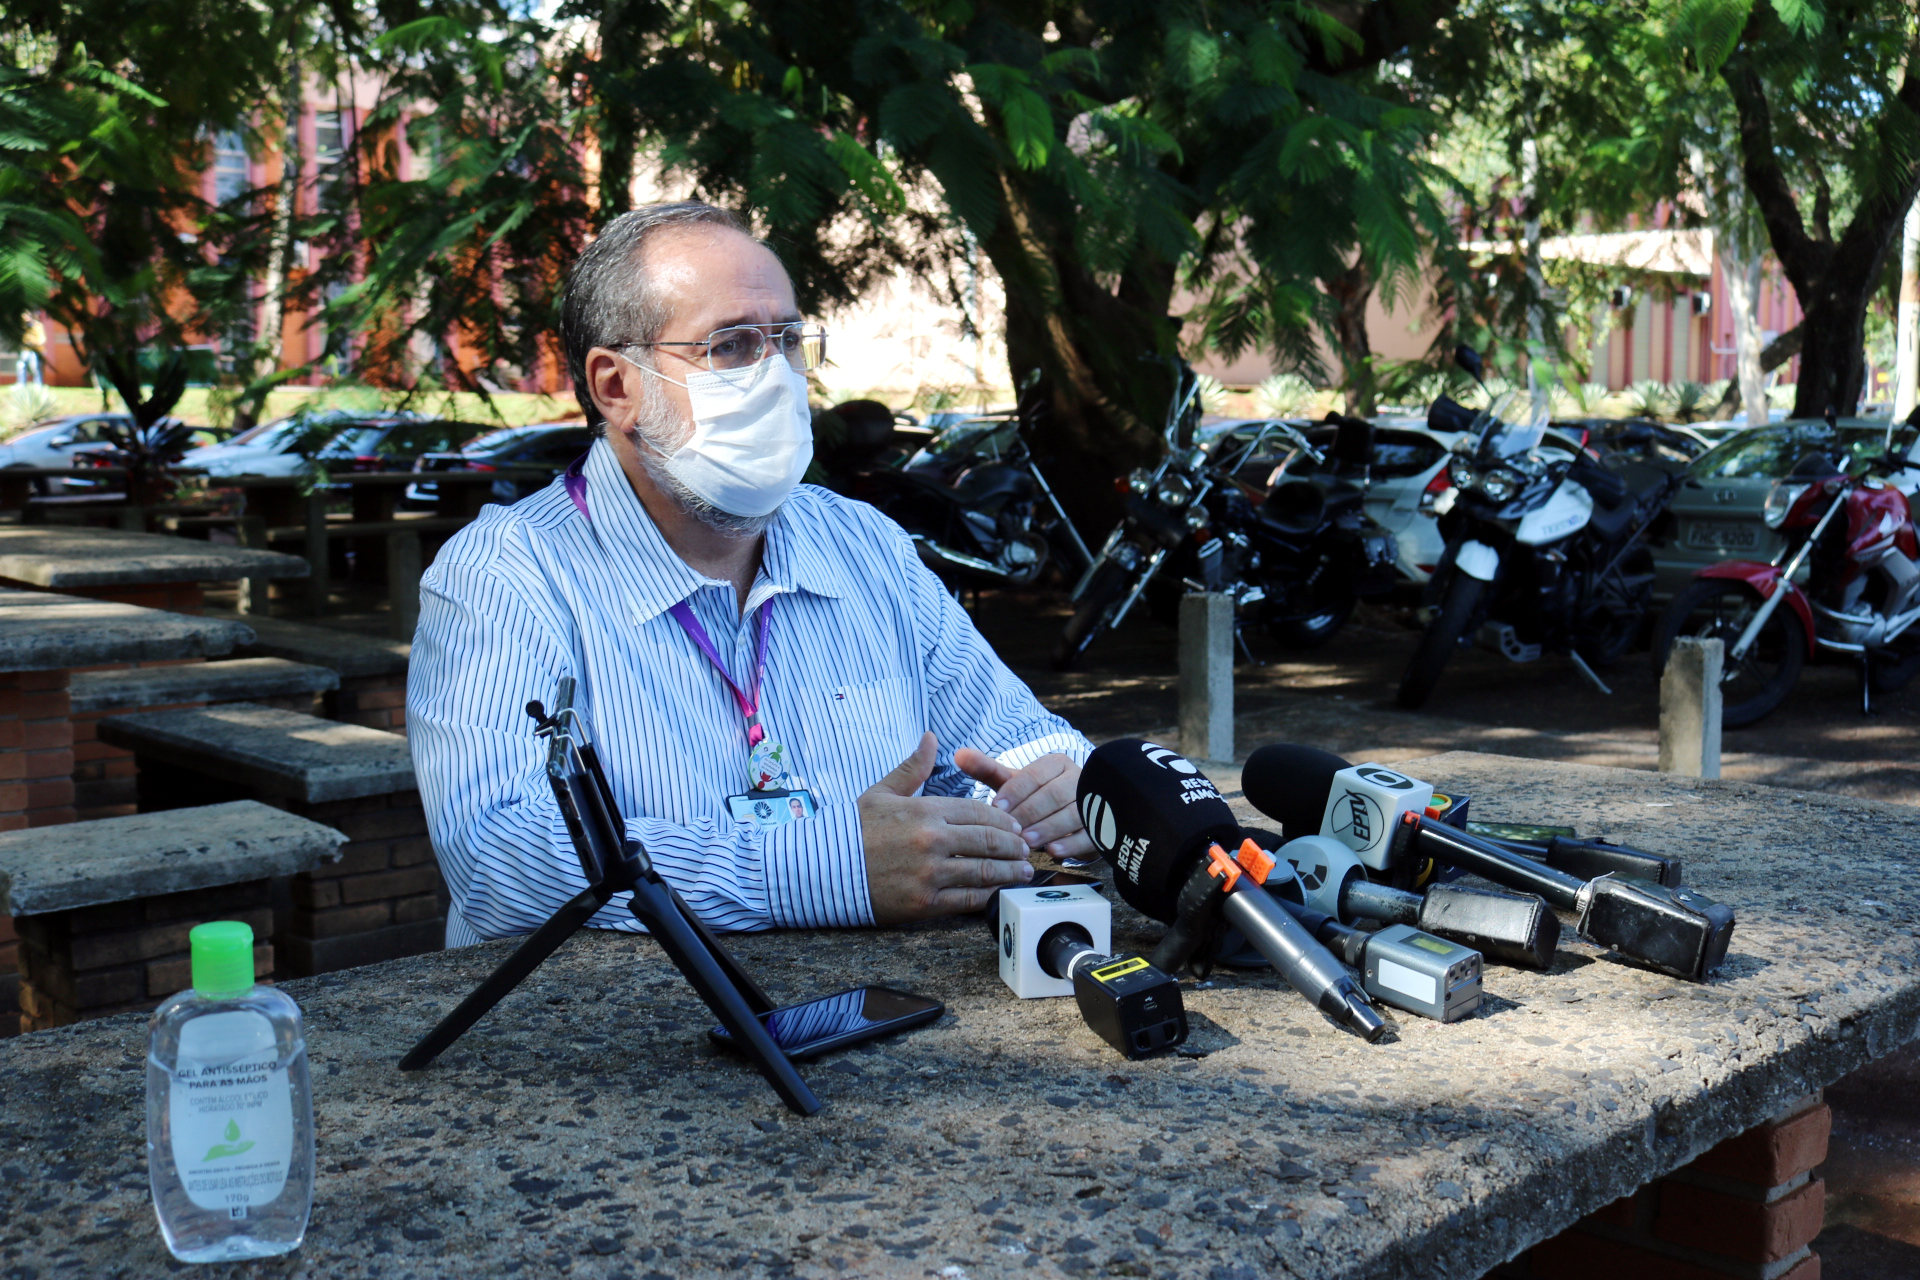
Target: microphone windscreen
<point>1151,812</point>
<point>1290,784</point>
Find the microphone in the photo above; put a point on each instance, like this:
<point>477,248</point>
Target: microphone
<point>1514,928</point>
<point>1163,825</point>
<point>1403,966</point>
<point>1672,929</point>
<point>1316,793</point>
<point>1130,1004</point>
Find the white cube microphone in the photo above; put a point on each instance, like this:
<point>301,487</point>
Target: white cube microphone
<point>1025,916</point>
<point>1364,807</point>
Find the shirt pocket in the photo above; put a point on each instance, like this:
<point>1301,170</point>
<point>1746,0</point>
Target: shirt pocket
<point>857,733</point>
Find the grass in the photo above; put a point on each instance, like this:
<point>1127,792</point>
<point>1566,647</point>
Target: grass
<point>202,406</point>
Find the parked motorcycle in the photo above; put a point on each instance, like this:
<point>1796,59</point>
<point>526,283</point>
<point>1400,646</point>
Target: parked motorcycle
<point>1546,548</point>
<point>1855,535</point>
<point>1295,558</point>
<point>976,504</point>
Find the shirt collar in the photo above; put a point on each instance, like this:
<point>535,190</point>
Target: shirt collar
<point>657,578</point>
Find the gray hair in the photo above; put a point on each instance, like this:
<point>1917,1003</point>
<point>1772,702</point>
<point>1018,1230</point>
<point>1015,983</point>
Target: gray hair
<point>610,301</point>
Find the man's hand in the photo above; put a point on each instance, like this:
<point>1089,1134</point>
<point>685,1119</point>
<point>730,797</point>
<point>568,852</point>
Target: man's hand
<point>934,856</point>
<point>1040,798</point>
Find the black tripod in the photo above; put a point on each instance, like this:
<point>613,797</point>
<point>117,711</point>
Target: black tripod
<point>613,864</point>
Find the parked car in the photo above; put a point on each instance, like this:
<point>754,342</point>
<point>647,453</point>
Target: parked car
<point>57,444</point>
<point>548,446</point>
<point>361,442</point>
<point>1718,513</point>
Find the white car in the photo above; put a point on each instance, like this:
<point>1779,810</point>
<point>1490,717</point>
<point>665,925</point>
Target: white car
<point>54,444</point>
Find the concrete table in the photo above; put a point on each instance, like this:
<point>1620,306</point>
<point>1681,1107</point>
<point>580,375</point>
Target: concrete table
<point>104,908</point>
<point>149,569</point>
<point>42,638</point>
<point>588,1127</point>
<point>384,898</point>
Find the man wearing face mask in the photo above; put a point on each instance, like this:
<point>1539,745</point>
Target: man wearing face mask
<point>801,726</point>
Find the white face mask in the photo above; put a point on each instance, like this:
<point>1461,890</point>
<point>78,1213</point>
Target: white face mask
<point>752,436</point>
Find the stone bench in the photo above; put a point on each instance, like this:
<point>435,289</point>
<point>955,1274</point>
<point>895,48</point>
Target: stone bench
<point>103,908</point>
<point>384,898</point>
<point>103,775</point>
<point>237,680</point>
<point>372,669</point>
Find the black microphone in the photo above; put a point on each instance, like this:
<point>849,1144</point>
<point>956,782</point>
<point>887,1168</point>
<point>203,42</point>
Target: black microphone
<point>1165,828</point>
<point>1675,930</point>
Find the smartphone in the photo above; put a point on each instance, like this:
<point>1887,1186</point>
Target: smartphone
<point>806,1031</point>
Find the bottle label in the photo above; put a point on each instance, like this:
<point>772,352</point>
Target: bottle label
<point>230,1112</point>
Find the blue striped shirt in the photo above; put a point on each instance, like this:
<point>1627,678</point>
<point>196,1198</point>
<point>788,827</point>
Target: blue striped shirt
<point>865,651</point>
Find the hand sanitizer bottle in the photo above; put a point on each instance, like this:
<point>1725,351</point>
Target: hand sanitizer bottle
<point>229,1109</point>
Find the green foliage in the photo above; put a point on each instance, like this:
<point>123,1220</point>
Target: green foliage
<point>1689,400</point>
<point>1648,399</point>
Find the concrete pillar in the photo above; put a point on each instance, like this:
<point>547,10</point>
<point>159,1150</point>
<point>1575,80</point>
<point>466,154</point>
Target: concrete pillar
<point>1206,676</point>
<point>1690,708</point>
<point>318,556</point>
<point>403,584</point>
<point>251,531</point>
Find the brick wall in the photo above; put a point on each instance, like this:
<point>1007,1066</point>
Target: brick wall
<point>125,956</point>
<point>379,702</point>
<point>36,750</point>
<point>384,899</point>
<point>1748,1209</point>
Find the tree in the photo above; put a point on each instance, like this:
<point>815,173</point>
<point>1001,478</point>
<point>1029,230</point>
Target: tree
<point>1104,156</point>
<point>106,126</point>
<point>1824,91</point>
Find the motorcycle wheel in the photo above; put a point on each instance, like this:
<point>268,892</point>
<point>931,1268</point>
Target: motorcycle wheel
<point>1442,638</point>
<point>1311,633</point>
<point>1721,608</point>
<point>1108,585</point>
<point>1891,670</point>
<point>1617,612</point>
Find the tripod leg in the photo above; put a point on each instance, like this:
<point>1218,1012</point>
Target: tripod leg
<point>743,981</point>
<point>657,907</point>
<point>540,944</point>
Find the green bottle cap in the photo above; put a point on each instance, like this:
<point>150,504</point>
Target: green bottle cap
<point>222,957</point>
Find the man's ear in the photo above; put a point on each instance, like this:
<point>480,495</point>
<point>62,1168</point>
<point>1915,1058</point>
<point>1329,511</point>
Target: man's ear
<point>613,385</point>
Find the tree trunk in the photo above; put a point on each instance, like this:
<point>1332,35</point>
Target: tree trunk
<point>1350,291</point>
<point>1100,352</point>
<point>1743,276</point>
<point>1772,356</point>
<point>269,345</point>
<point>1906,360</point>
<point>1833,278</point>
<point>1539,392</point>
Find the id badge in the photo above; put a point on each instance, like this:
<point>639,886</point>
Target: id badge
<point>766,810</point>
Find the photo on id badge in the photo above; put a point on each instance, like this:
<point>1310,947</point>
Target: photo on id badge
<point>769,809</point>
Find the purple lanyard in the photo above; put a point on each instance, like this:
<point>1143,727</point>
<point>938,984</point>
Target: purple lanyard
<point>576,486</point>
<point>749,705</point>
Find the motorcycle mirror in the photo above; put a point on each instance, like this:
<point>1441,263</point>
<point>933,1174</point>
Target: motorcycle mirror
<point>1469,359</point>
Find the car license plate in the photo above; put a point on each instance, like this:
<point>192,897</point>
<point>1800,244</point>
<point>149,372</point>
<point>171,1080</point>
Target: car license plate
<point>1722,535</point>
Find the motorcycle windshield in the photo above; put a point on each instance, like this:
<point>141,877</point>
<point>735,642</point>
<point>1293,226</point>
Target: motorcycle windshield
<point>1500,438</point>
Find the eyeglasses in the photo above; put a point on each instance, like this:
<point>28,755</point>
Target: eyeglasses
<point>743,346</point>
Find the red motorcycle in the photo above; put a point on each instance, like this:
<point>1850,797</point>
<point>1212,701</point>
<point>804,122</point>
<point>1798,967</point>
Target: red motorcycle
<point>1855,534</point>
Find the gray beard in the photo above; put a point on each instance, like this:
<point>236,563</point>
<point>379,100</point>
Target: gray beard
<point>657,422</point>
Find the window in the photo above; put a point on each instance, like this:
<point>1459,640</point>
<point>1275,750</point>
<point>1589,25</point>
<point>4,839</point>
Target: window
<point>329,138</point>
<point>232,175</point>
